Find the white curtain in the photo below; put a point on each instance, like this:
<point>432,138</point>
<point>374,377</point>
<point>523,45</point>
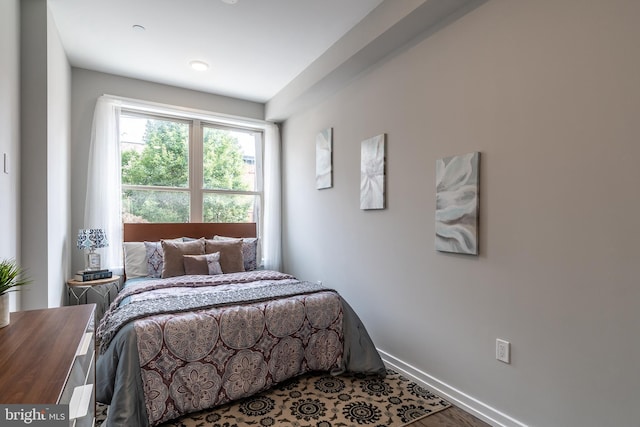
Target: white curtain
<point>272,242</point>
<point>103,202</point>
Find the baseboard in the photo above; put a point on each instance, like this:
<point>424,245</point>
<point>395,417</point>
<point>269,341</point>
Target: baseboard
<point>462,400</point>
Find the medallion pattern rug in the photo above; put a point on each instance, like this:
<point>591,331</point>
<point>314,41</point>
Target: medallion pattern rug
<point>322,400</point>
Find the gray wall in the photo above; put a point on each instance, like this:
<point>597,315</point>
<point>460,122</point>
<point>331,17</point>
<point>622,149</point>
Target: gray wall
<point>87,86</point>
<point>60,241</point>
<point>9,130</point>
<point>548,92</point>
<point>44,187</point>
<point>33,118</point>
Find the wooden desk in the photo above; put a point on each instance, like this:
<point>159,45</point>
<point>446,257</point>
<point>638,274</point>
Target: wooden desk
<point>48,355</point>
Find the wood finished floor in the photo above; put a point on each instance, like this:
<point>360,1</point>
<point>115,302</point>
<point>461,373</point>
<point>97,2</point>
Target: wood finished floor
<point>450,417</point>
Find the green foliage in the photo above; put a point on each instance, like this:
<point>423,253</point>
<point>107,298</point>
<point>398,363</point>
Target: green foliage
<point>222,161</point>
<point>156,206</point>
<point>219,208</point>
<point>11,276</point>
<point>164,162</point>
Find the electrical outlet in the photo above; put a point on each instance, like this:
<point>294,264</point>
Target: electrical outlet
<point>503,350</point>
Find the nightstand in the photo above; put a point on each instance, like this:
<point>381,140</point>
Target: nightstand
<point>99,292</point>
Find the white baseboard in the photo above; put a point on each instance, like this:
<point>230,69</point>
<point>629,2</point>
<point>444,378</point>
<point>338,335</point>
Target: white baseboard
<point>462,400</point>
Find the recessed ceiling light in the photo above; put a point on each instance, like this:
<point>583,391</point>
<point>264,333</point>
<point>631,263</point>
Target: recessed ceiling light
<point>138,28</point>
<point>199,65</point>
<point>230,1</point>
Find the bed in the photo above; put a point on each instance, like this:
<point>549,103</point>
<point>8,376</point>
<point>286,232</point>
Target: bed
<point>198,324</point>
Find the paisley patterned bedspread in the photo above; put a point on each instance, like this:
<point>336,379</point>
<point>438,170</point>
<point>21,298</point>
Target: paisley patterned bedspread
<point>180,345</point>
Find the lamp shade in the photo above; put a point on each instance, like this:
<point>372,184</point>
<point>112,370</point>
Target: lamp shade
<point>92,238</point>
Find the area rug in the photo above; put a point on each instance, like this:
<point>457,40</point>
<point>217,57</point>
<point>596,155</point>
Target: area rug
<point>322,400</point>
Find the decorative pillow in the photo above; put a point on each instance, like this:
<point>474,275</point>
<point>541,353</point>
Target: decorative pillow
<point>230,254</point>
<point>173,252</point>
<point>155,258</point>
<point>135,260</point>
<point>249,250</point>
<point>208,264</point>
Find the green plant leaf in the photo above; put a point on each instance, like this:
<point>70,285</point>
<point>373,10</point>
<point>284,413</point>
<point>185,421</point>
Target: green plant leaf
<point>11,276</point>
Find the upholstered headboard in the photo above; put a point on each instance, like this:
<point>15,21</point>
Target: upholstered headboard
<point>153,232</point>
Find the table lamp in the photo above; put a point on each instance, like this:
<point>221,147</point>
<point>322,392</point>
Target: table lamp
<point>91,239</point>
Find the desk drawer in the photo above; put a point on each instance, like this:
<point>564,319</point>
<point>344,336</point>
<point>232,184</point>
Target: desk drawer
<point>82,406</point>
<point>79,391</point>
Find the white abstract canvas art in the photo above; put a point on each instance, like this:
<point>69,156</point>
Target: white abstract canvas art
<point>457,186</point>
<point>324,168</point>
<point>372,158</point>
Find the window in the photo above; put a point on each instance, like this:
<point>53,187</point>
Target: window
<point>111,141</point>
<point>189,170</point>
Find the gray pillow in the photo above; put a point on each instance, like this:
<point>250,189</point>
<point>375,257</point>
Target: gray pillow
<point>230,254</point>
<point>208,264</point>
<point>249,250</point>
<point>173,253</point>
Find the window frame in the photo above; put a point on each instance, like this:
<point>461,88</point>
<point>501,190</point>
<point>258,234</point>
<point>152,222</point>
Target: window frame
<point>195,147</point>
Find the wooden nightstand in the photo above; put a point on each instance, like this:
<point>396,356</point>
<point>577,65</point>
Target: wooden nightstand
<point>99,292</point>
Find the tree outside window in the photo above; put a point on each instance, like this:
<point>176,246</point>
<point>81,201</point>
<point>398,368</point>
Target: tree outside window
<point>157,174</point>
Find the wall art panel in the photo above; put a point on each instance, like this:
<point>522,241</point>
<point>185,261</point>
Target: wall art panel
<point>372,173</point>
<point>457,202</point>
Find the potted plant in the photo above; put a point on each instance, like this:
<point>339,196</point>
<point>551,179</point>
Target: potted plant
<point>11,278</point>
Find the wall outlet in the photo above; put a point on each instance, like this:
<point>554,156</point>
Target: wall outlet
<point>503,350</point>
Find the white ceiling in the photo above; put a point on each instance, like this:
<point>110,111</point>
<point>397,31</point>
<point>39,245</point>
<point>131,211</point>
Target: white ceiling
<point>254,47</point>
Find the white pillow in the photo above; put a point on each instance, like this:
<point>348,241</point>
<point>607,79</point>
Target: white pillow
<point>135,259</point>
<point>136,262</point>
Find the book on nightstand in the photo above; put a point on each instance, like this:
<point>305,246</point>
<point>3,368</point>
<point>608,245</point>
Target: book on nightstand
<point>86,276</point>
